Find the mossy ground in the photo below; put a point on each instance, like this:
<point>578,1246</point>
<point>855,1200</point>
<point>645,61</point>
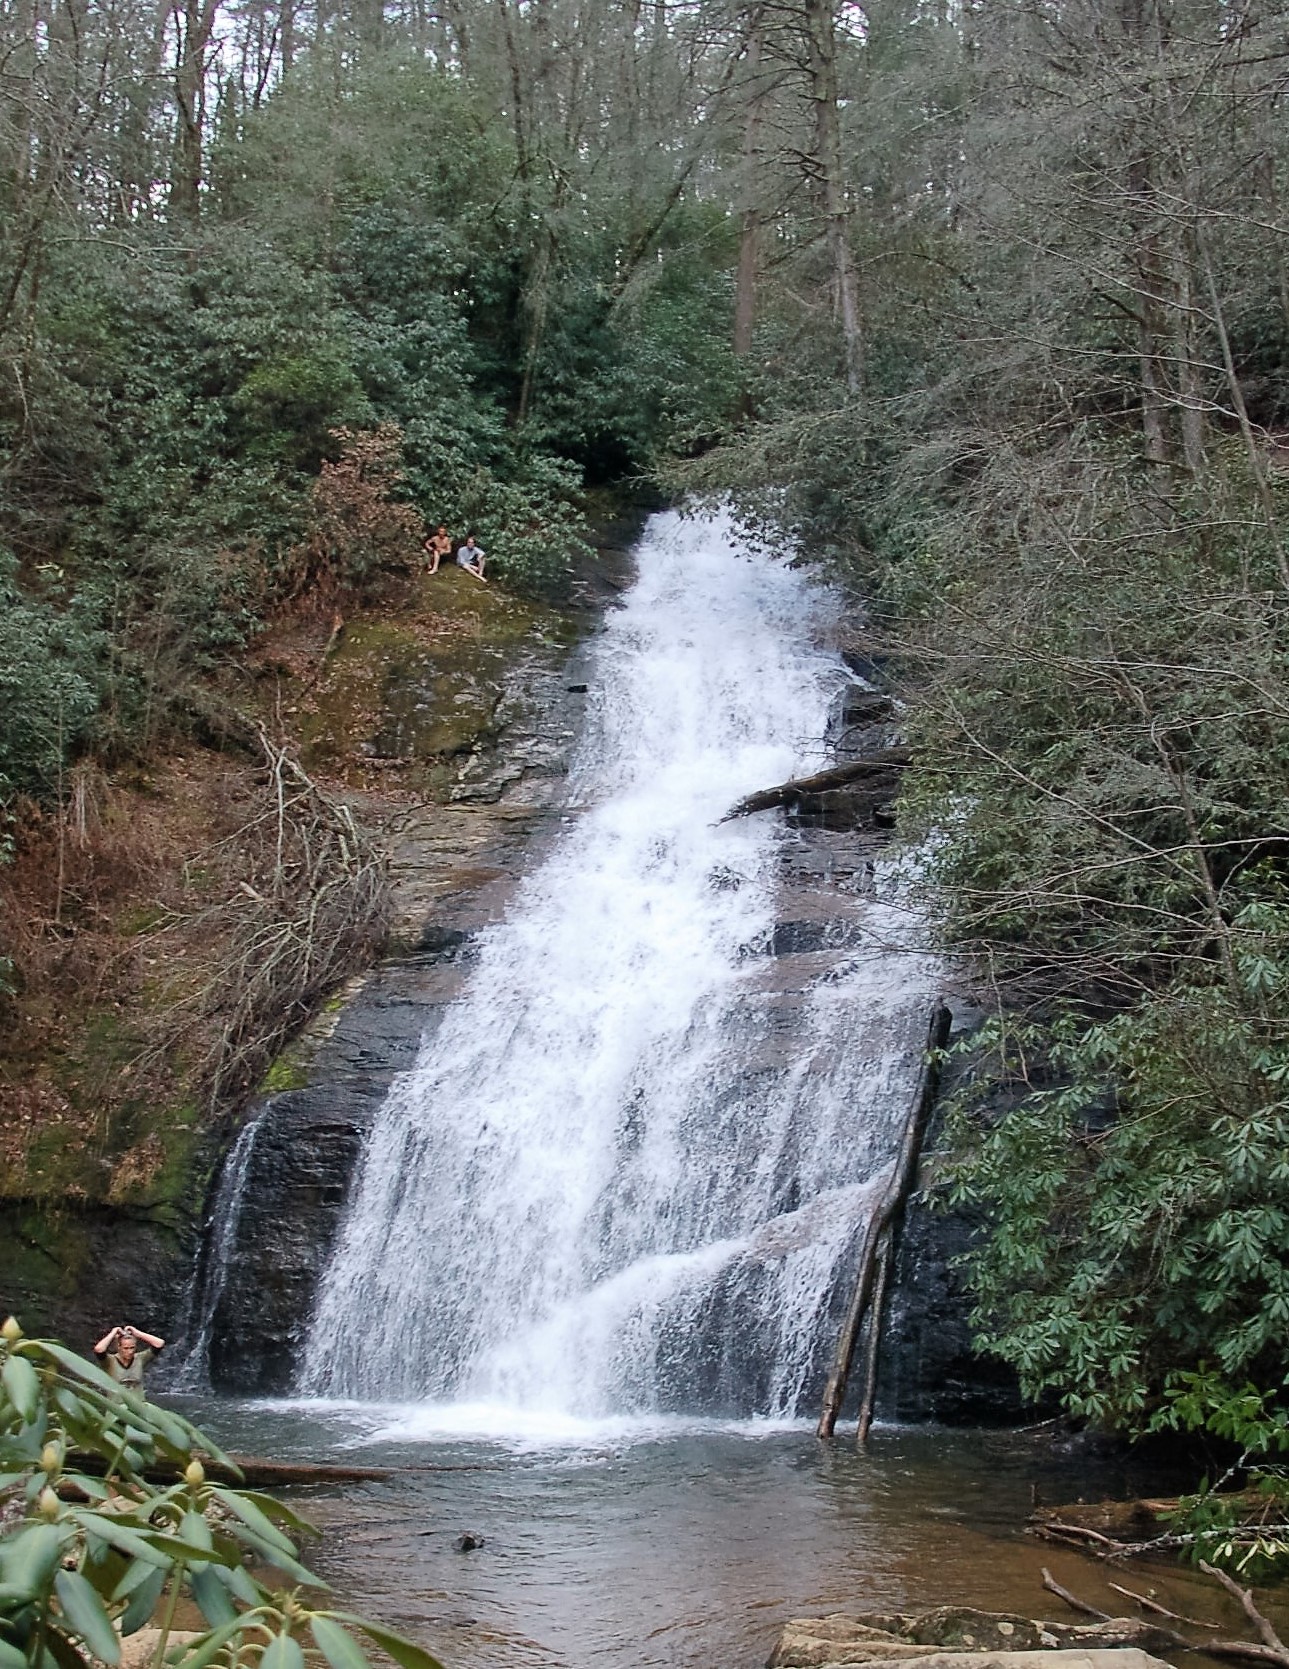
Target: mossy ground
<point>406,693</point>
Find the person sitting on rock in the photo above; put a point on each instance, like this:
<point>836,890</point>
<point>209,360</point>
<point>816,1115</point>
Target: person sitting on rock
<point>121,1357</point>
<point>436,546</point>
<point>471,557</point>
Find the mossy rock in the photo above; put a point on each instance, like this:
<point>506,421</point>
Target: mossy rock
<point>960,1628</point>
<point>421,690</point>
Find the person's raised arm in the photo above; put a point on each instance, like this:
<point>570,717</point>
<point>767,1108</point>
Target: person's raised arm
<point>149,1339</point>
<point>106,1342</point>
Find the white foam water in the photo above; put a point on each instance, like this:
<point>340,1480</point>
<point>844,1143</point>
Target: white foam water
<point>213,1266</point>
<point>622,1179</point>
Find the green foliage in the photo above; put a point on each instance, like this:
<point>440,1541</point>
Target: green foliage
<point>1138,1201</point>
<point>372,263</point>
<point>101,1549</point>
<point>357,527</point>
<point>50,681</point>
<point>295,402</point>
<point>1245,1530</point>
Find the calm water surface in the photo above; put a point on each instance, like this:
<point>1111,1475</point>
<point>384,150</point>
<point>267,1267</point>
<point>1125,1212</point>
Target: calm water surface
<point>628,1547</point>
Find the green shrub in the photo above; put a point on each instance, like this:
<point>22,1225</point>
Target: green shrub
<point>101,1548</point>
<point>50,682</point>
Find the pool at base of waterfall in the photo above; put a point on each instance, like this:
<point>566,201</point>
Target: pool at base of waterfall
<point>625,1544</point>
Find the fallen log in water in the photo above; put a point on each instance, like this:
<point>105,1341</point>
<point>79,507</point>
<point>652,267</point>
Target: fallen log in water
<point>880,770</point>
<point>1269,1650</point>
<point>1124,1529</point>
<point>960,1637</point>
<point>1115,1520</point>
<point>256,1472</point>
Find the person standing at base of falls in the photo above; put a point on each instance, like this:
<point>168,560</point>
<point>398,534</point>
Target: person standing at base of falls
<point>122,1358</point>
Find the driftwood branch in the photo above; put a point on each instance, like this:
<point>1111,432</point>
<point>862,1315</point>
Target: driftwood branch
<point>791,793</point>
<point>1159,1610</point>
<point>881,1223</point>
<point>1066,1524</point>
<point>1245,1596</point>
<point>1080,1532</point>
<point>1073,1600</point>
<point>1246,1651</point>
<point>257,1472</point>
<point>876,1314</point>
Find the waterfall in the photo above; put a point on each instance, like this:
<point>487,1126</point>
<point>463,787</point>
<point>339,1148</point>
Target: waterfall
<point>627,1172</point>
<point>210,1276</point>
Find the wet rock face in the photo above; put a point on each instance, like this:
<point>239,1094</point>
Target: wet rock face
<point>929,1370</point>
<point>454,860</point>
<point>79,1271</point>
<point>304,1155</point>
<point>456,870</point>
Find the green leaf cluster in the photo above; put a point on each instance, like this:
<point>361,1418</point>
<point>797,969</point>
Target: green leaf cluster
<point>105,1545</point>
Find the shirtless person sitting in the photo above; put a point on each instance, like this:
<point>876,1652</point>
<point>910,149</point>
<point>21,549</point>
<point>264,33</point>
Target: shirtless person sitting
<point>436,546</point>
<point>123,1359</point>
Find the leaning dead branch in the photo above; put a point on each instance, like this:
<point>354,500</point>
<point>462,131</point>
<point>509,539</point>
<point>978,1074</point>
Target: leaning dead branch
<point>877,1250</point>
<point>310,905</point>
<point>1072,1600</point>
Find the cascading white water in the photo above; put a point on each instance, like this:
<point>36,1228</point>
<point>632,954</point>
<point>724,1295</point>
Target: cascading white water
<point>210,1275</point>
<point>624,1174</point>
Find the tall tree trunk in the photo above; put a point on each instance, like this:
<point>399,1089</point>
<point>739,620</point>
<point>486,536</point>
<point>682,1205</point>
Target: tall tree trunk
<point>458,33</point>
<point>287,41</point>
<point>196,22</point>
<point>1149,283</point>
<point>749,260</point>
<point>749,251</point>
<point>519,104</point>
<point>537,302</point>
<point>1150,359</point>
<point>821,51</point>
<point>1257,462</point>
<point>1189,389</point>
<point>1143,33</point>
